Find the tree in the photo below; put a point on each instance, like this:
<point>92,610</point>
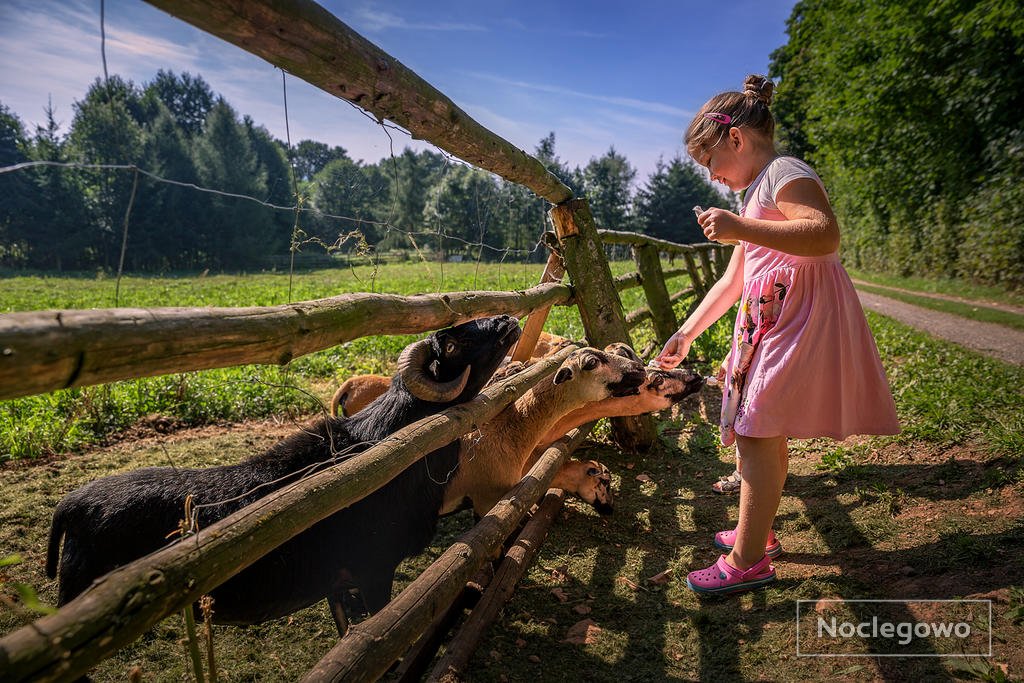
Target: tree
<point>463,208</point>
<point>607,181</point>
<point>105,130</point>
<point>189,99</point>
<point>16,188</point>
<point>545,153</point>
<point>309,157</point>
<point>237,231</point>
<point>911,114</point>
<point>664,207</point>
<point>351,194</point>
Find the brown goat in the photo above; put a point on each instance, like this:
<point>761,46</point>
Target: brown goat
<point>661,389</point>
<point>492,459</point>
<point>356,393</point>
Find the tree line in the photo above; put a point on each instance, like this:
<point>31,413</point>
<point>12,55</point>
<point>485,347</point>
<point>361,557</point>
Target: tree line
<point>912,114</point>
<point>70,218</point>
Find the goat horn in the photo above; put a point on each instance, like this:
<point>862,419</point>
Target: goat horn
<point>410,368</point>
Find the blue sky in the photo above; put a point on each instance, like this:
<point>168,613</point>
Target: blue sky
<point>598,74</point>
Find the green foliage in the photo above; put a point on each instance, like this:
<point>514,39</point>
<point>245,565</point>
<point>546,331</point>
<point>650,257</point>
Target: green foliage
<point>664,207</point>
<point>911,113</point>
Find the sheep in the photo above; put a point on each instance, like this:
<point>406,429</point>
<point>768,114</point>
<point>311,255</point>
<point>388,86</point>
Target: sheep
<point>359,391</point>
<point>661,389</point>
<point>492,459</point>
<point>117,519</point>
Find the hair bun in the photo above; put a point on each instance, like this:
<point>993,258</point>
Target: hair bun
<point>759,87</point>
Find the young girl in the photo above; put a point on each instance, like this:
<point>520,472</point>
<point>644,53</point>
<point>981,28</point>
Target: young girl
<point>803,363</point>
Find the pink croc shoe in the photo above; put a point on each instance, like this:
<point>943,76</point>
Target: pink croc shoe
<point>722,578</point>
<point>725,540</point>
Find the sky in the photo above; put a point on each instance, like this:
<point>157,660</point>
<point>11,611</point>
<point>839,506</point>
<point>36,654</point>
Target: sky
<point>600,74</point>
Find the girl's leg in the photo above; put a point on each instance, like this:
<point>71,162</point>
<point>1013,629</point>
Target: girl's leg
<point>765,462</point>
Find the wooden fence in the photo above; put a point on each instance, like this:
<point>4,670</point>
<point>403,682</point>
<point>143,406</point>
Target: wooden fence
<point>44,351</point>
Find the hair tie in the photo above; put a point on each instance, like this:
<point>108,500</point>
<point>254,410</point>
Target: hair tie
<point>718,117</point>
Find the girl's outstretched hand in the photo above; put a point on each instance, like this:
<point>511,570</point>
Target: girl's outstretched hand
<point>674,352</point>
<point>720,225</point>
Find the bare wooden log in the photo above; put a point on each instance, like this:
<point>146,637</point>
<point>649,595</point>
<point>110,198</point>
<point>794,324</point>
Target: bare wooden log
<point>598,302</point>
<point>553,272</point>
<point>130,600</point>
<point>676,272</point>
<point>634,318</point>
<point>682,294</point>
<point>628,281</point>
<point>306,40</point>
<point>705,264</point>
<point>415,662</point>
<point>515,563</point>
<point>47,350</point>
<point>370,647</point>
<point>622,237</point>
<point>696,278</point>
<point>648,262</point>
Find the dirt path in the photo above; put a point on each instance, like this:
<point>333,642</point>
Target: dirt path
<point>996,305</point>
<point>997,341</point>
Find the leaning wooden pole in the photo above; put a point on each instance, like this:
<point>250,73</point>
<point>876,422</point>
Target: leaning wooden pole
<point>455,663</point>
<point>307,41</point>
<point>598,302</point>
<point>48,350</point>
<point>370,647</point>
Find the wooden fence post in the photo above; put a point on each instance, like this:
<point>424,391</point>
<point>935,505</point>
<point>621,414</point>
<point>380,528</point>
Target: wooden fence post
<point>695,275</point>
<point>705,264</point>
<point>648,262</point>
<point>553,272</point>
<point>598,302</point>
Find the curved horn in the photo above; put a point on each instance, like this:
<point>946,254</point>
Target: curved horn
<point>410,368</point>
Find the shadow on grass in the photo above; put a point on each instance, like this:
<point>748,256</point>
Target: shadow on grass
<point>661,632</point>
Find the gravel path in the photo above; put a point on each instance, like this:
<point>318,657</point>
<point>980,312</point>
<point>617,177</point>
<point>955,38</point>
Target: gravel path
<point>997,341</point>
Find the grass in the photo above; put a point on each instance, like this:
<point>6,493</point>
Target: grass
<point>73,419</point>
<point>935,512</point>
<point>972,311</point>
<point>947,287</point>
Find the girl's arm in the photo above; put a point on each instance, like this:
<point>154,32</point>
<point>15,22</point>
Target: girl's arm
<point>811,228</point>
<point>719,299</point>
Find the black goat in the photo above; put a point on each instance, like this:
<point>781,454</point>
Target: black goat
<point>117,519</point>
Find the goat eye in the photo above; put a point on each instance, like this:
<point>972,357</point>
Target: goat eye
<point>449,348</point>
<point>592,472</point>
<point>590,363</point>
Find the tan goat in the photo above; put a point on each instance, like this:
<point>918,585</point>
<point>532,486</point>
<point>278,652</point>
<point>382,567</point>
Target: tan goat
<point>492,459</point>
<point>661,389</point>
<point>357,392</point>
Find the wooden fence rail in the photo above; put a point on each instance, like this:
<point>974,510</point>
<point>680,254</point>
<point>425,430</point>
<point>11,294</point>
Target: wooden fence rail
<point>371,646</point>
<point>304,39</point>
<point>47,350</point>
<point>133,598</point>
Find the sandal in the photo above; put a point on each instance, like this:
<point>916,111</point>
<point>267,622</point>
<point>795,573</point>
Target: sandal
<point>725,540</point>
<point>730,484</point>
<point>722,578</point>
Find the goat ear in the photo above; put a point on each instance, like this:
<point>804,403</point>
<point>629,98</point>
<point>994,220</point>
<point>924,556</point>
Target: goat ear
<point>563,375</point>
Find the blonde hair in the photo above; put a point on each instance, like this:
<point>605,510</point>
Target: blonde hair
<point>729,109</point>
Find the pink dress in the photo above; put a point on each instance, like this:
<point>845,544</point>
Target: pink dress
<point>803,361</point>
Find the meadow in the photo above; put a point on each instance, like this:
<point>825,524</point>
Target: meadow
<point>935,512</point>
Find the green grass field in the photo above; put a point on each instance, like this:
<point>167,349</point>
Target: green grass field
<point>936,512</point>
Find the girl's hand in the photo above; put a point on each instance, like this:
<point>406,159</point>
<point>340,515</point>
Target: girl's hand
<point>674,352</point>
<point>721,225</point>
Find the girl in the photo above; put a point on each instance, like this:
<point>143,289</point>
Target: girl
<point>803,363</point>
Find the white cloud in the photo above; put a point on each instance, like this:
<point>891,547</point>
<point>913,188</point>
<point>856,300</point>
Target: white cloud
<point>644,105</point>
<point>374,21</point>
